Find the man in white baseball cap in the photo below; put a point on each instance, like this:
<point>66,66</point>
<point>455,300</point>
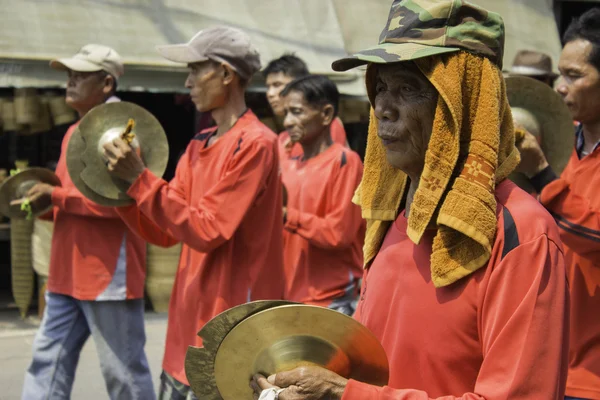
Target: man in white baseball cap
<point>97,266</point>
<point>224,204</point>
<point>93,73</point>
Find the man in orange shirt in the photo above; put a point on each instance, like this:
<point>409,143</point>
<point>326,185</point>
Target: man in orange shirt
<point>224,203</point>
<point>278,73</point>
<point>324,230</point>
<point>574,200</point>
<point>465,284</point>
<point>97,266</point>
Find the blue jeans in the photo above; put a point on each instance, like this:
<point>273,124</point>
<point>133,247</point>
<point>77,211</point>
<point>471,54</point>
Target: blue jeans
<point>574,398</point>
<point>117,328</point>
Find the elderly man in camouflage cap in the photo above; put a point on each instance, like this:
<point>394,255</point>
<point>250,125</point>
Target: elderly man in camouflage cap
<point>465,279</point>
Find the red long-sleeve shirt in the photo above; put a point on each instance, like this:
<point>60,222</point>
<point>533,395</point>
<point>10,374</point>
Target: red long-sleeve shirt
<point>324,231</point>
<point>225,205</point>
<point>574,201</point>
<point>94,255</point>
<point>499,333</point>
<point>338,135</point>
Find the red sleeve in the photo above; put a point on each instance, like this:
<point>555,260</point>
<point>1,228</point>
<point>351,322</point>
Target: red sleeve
<point>216,216</point>
<point>73,202</point>
<point>338,133</point>
<point>144,226</point>
<point>575,214</point>
<point>523,322</point>
<point>339,227</point>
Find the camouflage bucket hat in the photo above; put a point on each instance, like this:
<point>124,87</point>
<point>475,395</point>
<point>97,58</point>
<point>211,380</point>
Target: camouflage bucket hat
<point>423,28</point>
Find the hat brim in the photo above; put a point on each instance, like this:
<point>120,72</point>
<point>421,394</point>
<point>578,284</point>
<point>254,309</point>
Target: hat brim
<point>533,72</point>
<point>180,53</point>
<point>390,53</point>
<point>550,111</point>
<point>74,64</point>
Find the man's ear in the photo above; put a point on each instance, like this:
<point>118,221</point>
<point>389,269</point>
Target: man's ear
<point>228,74</point>
<point>327,114</point>
<point>109,84</point>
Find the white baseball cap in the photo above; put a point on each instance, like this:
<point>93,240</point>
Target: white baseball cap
<point>91,58</point>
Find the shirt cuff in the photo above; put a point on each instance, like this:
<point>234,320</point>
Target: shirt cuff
<point>142,184</point>
<point>359,391</point>
<point>292,222</point>
<point>59,196</point>
<point>543,178</point>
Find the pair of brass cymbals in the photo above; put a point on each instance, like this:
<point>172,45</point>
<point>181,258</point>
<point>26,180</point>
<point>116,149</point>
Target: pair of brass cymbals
<point>85,161</point>
<point>269,337</point>
<point>15,189</point>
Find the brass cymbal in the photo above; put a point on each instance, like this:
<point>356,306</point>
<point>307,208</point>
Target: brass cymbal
<point>107,122</point>
<point>200,361</point>
<point>537,105</point>
<point>286,337</point>
<point>17,186</point>
<point>75,149</point>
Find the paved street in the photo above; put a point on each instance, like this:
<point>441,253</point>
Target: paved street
<point>16,337</point>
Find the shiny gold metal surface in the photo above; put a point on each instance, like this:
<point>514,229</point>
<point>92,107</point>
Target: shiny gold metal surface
<point>105,123</point>
<point>537,107</point>
<point>75,165</point>
<point>200,361</point>
<point>286,337</point>
<point>17,186</point>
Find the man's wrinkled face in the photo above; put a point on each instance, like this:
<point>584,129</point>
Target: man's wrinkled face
<point>205,81</point>
<point>579,84</point>
<point>86,90</point>
<point>404,103</point>
<point>304,122</point>
<point>276,82</point>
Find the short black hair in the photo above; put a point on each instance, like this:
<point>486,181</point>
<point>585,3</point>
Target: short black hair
<point>586,27</point>
<point>318,90</point>
<point>288,64</point>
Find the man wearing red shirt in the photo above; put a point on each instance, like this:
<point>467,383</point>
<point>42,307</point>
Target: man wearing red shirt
<point>278,73</point>
<point>465,284</point>
<point>224,203</point>
<point>574,200</point>
<point>97,266</point>
<point>324,230</point>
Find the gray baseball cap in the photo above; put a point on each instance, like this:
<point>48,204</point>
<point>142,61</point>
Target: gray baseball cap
<point>92,58</point>
<point>222,44</point>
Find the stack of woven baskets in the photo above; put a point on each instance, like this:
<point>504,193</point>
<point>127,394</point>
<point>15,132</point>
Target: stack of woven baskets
<point>29,113</point>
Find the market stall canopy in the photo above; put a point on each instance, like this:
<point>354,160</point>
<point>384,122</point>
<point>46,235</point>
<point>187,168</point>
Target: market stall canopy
<point>319,31</point>
<point>34,32</point>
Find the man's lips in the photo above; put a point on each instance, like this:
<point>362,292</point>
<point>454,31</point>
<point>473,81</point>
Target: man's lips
<point>387,140</point>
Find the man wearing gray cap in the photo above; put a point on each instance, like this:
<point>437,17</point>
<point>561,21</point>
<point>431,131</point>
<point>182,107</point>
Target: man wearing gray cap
<point>224,204</point>
<point>97,266</point>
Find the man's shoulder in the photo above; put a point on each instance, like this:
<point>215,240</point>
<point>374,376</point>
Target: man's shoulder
<point>254,129</point>
<point>520,215</point>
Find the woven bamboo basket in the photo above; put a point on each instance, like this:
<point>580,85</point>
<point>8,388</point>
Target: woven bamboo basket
<point>44,120</point>
<point>160,274</point>
<point>61,113</point>
<point>41,243</point>
<point>27,106</point>
<point>21,264</point>
<point>9,122</point>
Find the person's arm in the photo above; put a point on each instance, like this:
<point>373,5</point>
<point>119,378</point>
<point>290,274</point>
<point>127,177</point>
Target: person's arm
<point>339,227</point>
<point>575,214</point>
<point>213,219</point>
<point>73,202</point>
<point>523,329</point>
<point>144,227</point>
